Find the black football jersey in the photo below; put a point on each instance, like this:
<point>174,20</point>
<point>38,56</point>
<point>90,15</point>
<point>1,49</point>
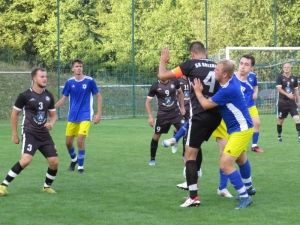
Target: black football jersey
<point>166,94</point>
<point>185,87</point>
<point>288,84</point>
<point>35,109</point>
<point>204,70</point>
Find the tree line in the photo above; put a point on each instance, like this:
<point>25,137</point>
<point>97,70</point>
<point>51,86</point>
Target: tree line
<point>104,31</point>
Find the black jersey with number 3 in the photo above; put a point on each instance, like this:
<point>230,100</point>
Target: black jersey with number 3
<point>35,109</point>
<point>204,70</point>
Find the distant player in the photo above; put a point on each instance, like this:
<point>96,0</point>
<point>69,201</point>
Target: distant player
<point>36,103</point>
<point>80,89</point>
<point>287,86</point>
<point>248,78</point>
<point>170,111</point>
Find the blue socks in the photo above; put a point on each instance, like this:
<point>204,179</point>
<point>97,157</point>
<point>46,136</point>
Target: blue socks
<point>223,180</point>
<point>72,154</point>
<point>236,181</point>
<point>245,171</point>
<point>81,155</point>
<point>181,132</point>
<point>255,138</point>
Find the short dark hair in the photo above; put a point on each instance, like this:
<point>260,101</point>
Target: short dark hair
<point>77,60</point>
<point>197,47</point>
<point>34,71</point>
<point>251,57</point>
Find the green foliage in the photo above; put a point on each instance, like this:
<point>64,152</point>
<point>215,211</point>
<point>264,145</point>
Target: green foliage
<point>112,35</point>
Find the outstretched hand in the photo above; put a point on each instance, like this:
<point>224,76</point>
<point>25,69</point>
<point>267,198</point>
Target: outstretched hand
<point>165,55</point>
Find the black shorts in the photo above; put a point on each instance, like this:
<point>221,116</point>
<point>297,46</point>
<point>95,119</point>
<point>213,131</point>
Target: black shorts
<point>163,124</point>
<point>43,142</point>
<point>284,110</point>
<point>201,126</point>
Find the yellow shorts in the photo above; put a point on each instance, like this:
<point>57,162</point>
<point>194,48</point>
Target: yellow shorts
<point>253,111</point>
<point>237,142</point>
<point>221,131</point>
<point>73,129</point>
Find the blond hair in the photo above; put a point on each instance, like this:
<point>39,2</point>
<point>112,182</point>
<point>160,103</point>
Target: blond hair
<point>228,66</point>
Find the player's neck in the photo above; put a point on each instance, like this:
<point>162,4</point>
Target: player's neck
<point>163,81</point>
<point>37,89</point>
<point>286,74</point>
<point>199,56</point>
<point>242,78</point>
<point>79,77</point>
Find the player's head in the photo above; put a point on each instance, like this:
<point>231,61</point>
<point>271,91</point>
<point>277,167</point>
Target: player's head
<point>246,64</point>
<point>287,68</point>
<point>77,66</point>
<point>251,57</point>
<point>197,49</point>
<point>39,77</point>
<point>224,69</point>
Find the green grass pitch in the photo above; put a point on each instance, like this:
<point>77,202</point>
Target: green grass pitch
<point>119,187</point>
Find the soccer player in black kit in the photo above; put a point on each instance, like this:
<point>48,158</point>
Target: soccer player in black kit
<point>287,86</point>
<point>36,103</point>
<point>202,122</point>
<point>170,111</point>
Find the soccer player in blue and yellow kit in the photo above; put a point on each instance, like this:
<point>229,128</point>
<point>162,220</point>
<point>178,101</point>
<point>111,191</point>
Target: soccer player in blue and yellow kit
<point>234,110</point>
<point>80,89</point>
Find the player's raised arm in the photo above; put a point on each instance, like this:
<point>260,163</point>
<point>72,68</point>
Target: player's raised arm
<point>164,74</point>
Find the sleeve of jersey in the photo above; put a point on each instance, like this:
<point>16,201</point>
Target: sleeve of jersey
<point>51,106</point>
<point>152,91</point>
<point>219,98</point>
<point>296,83</point>
<point>94,87</point>
<point>178,72</point>
<point>65,90</point>
<point>20,102</point>
<point>278,81</point>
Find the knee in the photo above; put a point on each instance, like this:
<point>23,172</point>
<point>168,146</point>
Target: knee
<point>257,123</point>
<point>53,163</point>
<point>69,144</point>
<point>25,162</point>
<point>222,166</point>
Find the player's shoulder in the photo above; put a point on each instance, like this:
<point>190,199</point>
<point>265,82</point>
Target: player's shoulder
<point>234,82</point>
<point>154,85</point>
<point>174,81</point>
<point>46,91</point>
<point>88,77</point>
<point>294,77</point>
<point>252,75</point>
<point>25,93</point>
<point>71,79</point>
